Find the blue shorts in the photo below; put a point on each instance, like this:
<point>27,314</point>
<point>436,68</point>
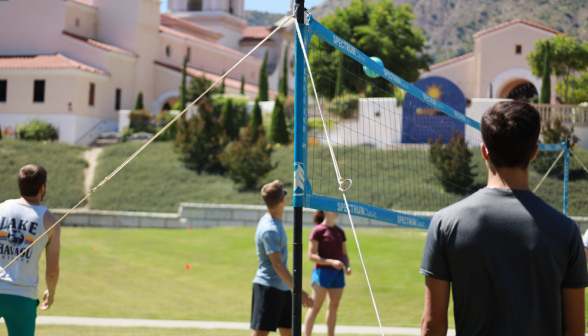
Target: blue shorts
<point>328,278</point>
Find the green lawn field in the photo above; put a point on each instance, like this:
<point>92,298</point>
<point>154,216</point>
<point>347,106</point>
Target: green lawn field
<point>64,164</point>
<point>140,273</point>
<point>45,330</point>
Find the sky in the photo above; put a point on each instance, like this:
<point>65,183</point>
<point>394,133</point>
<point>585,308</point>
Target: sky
<point>280,6</point>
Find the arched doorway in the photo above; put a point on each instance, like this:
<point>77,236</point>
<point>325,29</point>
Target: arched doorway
<point>520,89</point>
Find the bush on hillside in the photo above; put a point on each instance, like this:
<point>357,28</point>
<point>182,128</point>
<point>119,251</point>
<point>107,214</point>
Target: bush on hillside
<point>36,129</point>
<point>247,162</point>
<point>453,163</point>
<point>255,122</point>
<point>201,139</point>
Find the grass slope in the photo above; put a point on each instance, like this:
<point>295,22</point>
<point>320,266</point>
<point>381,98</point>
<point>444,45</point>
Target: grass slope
<point>141,274</point>
<point>64,163</point>
<point>156,181</point>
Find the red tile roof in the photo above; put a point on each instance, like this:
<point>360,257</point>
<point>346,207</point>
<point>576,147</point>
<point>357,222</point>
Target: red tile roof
<point>55,61</point>
<point>451,61</point>
<point>193,72</point>
<point>84,2</point>
<point>510,23</point>
<point>183,35</point>
<point>256,32</point>
<point>100,45</point>
<point>170,21</point>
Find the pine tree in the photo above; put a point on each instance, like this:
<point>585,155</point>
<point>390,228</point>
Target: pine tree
<point>256,121</point>
<point>223,84</point>
<point>284,79</point>
<point>546,82</point>
<point>183,85</point>
<point>491,93</point>
<point>242,84</point>
<point>139,102</point>
<point>278,128</point>
<point>263,80</point>
<point>227,118</point>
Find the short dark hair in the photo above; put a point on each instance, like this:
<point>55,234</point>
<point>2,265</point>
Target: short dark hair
<point>510,131</point>
<point>273,193</point>
<point>30,180</point>
<point>318,217</point>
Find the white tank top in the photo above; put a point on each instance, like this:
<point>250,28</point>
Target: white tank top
<point>20,225</point>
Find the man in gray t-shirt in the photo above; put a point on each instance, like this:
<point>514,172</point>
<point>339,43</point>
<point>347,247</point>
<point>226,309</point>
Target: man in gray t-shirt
<point>516,266</point>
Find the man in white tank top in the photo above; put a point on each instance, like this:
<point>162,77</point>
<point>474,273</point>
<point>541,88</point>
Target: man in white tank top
<point>22,221</point>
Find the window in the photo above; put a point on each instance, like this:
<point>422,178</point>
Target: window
<point>188,54</point>
<point>39,91</point>
<point>117,99</point>
<point>231,6</point>
<point>91,94</point>
<point>168,50</point>
<point>194,5</point>
<point>77,22</point>
<point>3,84</point>
<point>518,49</point>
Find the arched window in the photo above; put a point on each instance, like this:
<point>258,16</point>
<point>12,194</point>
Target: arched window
<point>168,50</point>
<point>194,5</point>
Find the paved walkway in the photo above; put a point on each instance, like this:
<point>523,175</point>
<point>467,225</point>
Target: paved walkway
<point>119,322</point>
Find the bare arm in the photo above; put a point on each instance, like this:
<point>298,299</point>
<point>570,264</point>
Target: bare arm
<point>434,321</point>
<point>346,260</point>
<point>52,255</point>
<point>314,257</point>
<point>572,305</point>
<point>284,273</point>
<point>585,248</point>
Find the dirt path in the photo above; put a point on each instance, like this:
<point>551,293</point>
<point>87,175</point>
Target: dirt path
<point>92,157</point>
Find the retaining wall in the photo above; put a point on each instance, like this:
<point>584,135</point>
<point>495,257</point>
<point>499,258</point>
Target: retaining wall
<point>197,215</point>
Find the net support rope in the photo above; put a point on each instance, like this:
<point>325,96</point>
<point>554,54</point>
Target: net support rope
<point>548,171</point>
<point>580,162</point>
<point>106,179</point>
<point>339,178</point>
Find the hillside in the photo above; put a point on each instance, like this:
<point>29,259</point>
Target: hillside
<point>450,24</point>
<point>255,18</point>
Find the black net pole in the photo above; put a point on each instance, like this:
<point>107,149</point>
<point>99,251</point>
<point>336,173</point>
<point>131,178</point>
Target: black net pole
<point>297,249</point>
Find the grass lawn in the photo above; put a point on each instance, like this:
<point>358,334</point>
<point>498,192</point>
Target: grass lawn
<point>46,330</point>
<point>65,170</point>
<point>141,274</point>
<point>156,181</point>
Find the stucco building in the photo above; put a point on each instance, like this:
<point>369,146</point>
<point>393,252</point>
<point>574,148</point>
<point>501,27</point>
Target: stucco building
<point>498,63</point>
<point>76,63</point>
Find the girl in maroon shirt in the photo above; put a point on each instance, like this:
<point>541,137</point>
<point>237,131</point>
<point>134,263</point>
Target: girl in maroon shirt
<point>327,249</point>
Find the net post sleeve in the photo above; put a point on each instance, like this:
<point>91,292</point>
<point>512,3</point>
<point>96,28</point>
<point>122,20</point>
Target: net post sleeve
<point>300,146</point>
<point>566,176</point>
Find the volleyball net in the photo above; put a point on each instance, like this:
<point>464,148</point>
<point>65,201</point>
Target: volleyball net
<point>407,154</point>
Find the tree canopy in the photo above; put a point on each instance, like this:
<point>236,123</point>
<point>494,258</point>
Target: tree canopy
<point>566,54</point>
<point>381,29</point>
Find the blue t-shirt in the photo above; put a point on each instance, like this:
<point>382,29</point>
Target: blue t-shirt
<point>270,238</point>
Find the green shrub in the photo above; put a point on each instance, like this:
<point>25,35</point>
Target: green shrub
<point>453,163</point>
<point>228,120</point>
<point>345,106</point>
<point>36,129</point>
<point>201,139</point>
<point>279,129</point>
<point>139,102</point>
<point>198,85</point>
<point>162,119</point>
<point>240,116</point>
<point>142,121</point>
<point>247,162</point>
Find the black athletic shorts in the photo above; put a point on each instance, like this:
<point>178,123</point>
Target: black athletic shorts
<point>271,308</point>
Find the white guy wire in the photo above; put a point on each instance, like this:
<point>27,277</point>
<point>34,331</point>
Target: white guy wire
<point>341,181</point>
<point>549,171</point>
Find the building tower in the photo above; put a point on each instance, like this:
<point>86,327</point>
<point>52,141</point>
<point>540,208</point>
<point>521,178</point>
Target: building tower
<point>224,16</point>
